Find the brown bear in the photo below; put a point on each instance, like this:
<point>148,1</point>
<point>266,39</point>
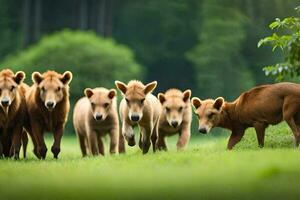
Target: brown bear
<point>48,107</point>
<point>176,117</point>
<point>12,112</point>
<point>95,116</point>
<point>258,107</point>
<point>139,108</point>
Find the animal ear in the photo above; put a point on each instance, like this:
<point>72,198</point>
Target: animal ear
<point>88,92</point>
<point>219,103</point>
<point>37,77</point>
<point>161,98</point>
<point>19,77</point>
<point>196,102</point>
<point>150,87</point>
<point>66,77</point>
<point>112,93</point>
<point>187,95</point>
<point>121,86</point>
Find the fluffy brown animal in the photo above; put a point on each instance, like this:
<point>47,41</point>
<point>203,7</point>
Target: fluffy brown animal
<point>139,107</point>
<point>94,116</point>
<point>48,107</point>
<point>12,112</point>
<point>258,107</point>
<point>176,117</point>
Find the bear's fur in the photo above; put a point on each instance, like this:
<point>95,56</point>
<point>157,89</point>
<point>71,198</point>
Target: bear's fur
<point>139,107</point>
<point>95,116</point>
<point>12,112</point>
<point>258,107</point>
<point>48,107</point>
<point>176,117</point>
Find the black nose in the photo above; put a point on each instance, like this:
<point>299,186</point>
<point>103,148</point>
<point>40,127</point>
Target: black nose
<point>174,124</point>
<point>202,130</point>
<point>50,104</point>
<point>5,102</point>
<point>98,116</point>
<point>135,118</point>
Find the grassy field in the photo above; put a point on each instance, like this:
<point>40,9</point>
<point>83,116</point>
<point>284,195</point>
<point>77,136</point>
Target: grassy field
<point>204,171</point>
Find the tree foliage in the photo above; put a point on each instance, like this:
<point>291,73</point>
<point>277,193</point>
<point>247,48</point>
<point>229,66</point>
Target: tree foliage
<point>286,37</point>
<point>94,61</point>
<point>217,56</point>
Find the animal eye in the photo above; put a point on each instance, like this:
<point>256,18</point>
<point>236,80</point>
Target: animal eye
<point>142,101</point>
<point>210,115</point>
<point>127,100</point>
<point>93,104</point>
<point>106,105</point>
<point>180,109</point>
<point>12,88</point>
<point>58,89</point>
<point>168,109</point>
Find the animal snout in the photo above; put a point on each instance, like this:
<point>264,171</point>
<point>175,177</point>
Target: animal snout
<point>5,102</point>
<point>50,104</point>
<point>98,116</point>
<point>135,118</point>
<point>203,130</point>
<point>174,124</point>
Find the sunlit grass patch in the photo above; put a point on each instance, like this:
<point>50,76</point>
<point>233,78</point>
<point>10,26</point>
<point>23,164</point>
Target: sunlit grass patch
<point>205,170</point>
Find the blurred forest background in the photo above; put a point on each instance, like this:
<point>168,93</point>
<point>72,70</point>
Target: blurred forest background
<point>209,46</point>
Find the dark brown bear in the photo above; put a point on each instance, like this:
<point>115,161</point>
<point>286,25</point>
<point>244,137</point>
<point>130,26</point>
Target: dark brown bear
<point>48,107</point>
<point>12,112</point>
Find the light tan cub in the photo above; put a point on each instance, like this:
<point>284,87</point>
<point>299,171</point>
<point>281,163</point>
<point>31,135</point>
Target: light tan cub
<point>176,117</point>
<point>139,107</point>
<point>95,115</point>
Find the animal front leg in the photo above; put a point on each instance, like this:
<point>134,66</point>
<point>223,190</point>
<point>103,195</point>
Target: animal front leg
<point>58,133</point>
<point>100,146</point>
<point>93,144</point>
<point>161,141</point>
<point>154,137</point>
<point>34,141</point>
<point>128,133</point>
<point>37,132</point>
<point>235,137</point>
<point>260,133</point>
<point>146,132</point>
<point>121,142</point>
<point>114,141</point>
<point>16,142</point>
<point>184,137</point>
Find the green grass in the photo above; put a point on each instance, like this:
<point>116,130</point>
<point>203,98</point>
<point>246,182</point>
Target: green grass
<point>206,170</point>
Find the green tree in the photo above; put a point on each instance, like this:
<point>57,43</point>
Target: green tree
<point>93,60</point>
<point>217,59</point>
<point>289,42</point>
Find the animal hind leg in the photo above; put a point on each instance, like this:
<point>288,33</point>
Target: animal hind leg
<point>82,144</point>
<point>24,143</point>
<point>290,115</point>
<point>295,130</point>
